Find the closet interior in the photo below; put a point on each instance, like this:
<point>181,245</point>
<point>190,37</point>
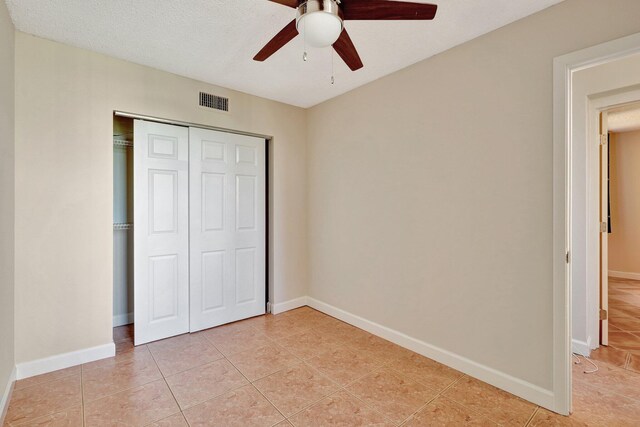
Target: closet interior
<point>122,221</point>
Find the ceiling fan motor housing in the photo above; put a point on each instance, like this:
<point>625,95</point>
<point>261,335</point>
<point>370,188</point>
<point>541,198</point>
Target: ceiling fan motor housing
<point>320,21</point>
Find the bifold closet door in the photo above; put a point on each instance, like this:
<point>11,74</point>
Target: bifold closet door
<point>227,221</point>
<point>161,230</point>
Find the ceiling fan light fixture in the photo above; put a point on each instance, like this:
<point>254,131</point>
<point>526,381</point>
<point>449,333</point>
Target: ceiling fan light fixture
<point>319,21</point>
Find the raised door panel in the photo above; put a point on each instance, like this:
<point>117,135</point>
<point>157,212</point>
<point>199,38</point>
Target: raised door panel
<point>214,151</point>
<point>163,147</point>
<point>213,280</point>
<point>246,155</point>
<point>246,201</point>
<point>163,285</point>
<point>213,204</point>
<point>163,203</point>
<point>245,275</point>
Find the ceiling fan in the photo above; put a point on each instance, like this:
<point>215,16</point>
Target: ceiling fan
<point>322,23</point>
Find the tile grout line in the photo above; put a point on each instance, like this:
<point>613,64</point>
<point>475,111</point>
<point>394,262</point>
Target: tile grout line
<point>274,342</point>
<point>320,399</point>
<point>339,345</point>
<point>52,413</point>
<point>439,394</point>
<point>365,403</point>
<point>168,387</point>
<point>478,412</point>
<point>341,388</point>
<point>382,366</point>
<point>595,388</point>
<point>82,393</point>
<point>333,393</point>
<point>530,420</point>
<point>258,390</point>
<point>128,387</point>
<point>47,381</point>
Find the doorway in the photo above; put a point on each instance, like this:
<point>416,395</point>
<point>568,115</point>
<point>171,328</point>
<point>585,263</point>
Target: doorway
<point>620,195</point>
<point>197,255</point>
<point>582,79</point>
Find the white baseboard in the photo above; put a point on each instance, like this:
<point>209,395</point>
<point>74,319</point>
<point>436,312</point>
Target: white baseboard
<point>624,275</point>
<point>581,347</point>
<point>521,388</point>
<point>281,307</point>
<point>66,360</point>
<point>6,396</point>
<point>122,319</point>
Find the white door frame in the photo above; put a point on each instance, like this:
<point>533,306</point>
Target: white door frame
<point>565,140</point>
<point>596,106</point>
<point>604,217</point>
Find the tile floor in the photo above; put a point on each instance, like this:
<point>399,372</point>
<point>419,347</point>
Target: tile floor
<point>624,325</point>
<point>300,368</point>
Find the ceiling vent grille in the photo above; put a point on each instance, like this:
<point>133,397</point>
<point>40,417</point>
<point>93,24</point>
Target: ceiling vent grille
<point>213,101</point>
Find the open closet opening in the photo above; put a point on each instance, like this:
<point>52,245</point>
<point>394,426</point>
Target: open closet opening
<point>123,308</point>
<point>621,239</point>
<point>190,227</point>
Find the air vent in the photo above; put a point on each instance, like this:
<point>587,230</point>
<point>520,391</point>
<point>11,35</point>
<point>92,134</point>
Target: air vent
<point>212,101</point>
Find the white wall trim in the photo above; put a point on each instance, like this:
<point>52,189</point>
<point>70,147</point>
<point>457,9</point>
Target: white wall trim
<point>624,275</point>
<point>6,396</point>
<point>122,319</point>
<point>523,389</point>
<point>563,128</point>
<point>65,360</point>
<point>281,307</point>
<point>581,347</point>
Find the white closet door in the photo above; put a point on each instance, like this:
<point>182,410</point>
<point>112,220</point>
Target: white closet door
<point>227,242</point>
<point>161,231</point>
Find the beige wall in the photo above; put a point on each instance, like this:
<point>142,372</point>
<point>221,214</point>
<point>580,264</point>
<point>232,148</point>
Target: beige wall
<point>430,191</point>
<point>6,197</point>
<point>65,98</point>
<point>624,240</point>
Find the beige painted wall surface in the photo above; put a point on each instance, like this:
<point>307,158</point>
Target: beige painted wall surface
<point>65,101</point>
<point>624,240</point>
<point>7,144</point>
<point>430,191</point>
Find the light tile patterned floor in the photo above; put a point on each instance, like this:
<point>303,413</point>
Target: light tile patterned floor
<point>300,368</point>
<point>624,325</point>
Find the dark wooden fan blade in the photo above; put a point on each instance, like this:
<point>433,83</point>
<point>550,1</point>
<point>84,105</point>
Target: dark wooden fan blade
<point>387,10</point>
<point>290,3</point>
<point>347,51</point>
<point>287,34</point>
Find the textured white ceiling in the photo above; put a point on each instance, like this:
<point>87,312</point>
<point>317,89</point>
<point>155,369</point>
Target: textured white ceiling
<point>215,40</point>
<point>625,119</point>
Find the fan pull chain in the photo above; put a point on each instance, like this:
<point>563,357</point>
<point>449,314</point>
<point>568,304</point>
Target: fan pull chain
<point>304,54</point>
<point>333,80</point>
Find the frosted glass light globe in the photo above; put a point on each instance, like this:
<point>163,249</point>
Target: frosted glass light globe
<point>320,29</point>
